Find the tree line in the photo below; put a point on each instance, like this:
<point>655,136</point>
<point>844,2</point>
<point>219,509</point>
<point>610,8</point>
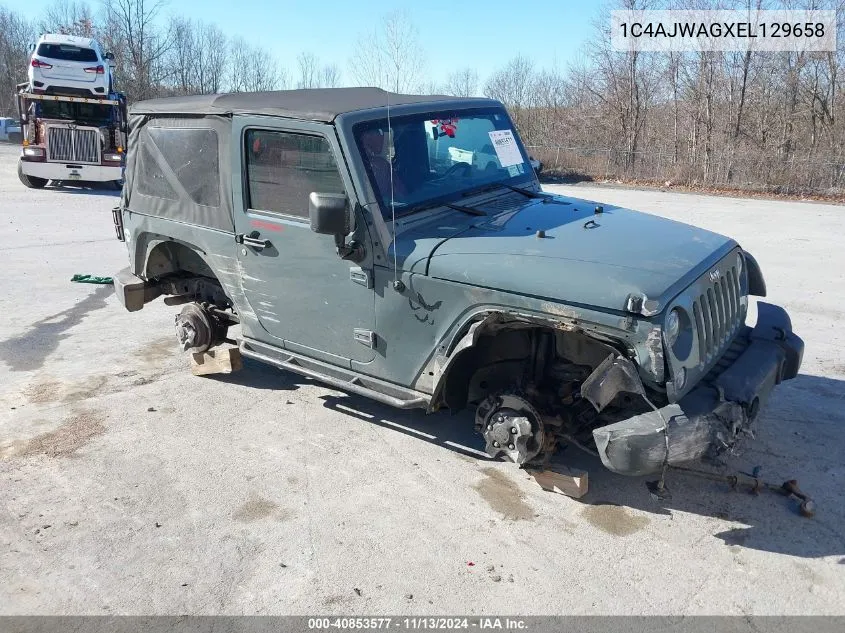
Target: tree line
<point>723,119</point>
<point>746,120</point>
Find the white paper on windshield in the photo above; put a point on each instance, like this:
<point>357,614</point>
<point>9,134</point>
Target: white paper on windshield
<point>506,148</point>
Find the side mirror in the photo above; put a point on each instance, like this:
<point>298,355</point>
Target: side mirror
<point>330,214</point>
<point>109,56</point>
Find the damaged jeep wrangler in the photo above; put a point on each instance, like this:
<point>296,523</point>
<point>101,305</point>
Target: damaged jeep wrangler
<point>400,247</point>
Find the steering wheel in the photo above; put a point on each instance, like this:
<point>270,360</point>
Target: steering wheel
<point>454,169</point>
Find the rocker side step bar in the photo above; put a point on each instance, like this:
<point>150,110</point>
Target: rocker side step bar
<point>334,376</point>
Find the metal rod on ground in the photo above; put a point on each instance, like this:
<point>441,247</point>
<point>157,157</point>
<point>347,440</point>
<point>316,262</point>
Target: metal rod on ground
<point>806,508</point>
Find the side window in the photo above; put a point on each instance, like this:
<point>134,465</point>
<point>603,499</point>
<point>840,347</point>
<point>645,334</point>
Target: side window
<point>190,154</point>
<point>282,169</point>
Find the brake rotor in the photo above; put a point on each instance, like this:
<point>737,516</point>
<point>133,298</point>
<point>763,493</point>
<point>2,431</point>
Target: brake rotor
<point>511,427</point>
<point>197,330</point>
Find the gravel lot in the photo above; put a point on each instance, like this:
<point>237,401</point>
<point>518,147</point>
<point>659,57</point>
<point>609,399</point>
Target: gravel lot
<point>128,486</point>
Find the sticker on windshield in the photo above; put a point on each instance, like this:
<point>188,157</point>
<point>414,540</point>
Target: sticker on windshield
<point>506,148</point>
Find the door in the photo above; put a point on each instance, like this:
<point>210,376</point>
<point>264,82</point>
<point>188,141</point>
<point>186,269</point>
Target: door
<point>303,295</point>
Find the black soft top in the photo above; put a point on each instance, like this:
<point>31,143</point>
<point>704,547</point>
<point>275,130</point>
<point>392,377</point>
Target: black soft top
<point>322,104</point>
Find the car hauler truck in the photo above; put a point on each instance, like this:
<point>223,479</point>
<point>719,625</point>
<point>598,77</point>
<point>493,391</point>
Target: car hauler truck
<point>70,138</point>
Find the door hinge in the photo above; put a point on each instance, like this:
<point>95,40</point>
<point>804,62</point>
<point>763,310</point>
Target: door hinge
<point>361,277</point>
<point>365,337</point>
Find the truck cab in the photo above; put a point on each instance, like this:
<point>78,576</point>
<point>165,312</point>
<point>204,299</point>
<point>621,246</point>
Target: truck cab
<point>71,139</point>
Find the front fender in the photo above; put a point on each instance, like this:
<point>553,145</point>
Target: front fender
<point>756,283</point>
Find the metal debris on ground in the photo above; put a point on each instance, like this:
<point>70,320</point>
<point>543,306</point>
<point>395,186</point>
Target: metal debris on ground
<point>789,488</point>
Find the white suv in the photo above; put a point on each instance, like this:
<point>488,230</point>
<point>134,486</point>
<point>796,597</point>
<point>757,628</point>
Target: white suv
<point>65,64</point>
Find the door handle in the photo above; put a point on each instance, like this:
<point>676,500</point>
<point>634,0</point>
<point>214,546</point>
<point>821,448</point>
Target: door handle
<point>254,242</point>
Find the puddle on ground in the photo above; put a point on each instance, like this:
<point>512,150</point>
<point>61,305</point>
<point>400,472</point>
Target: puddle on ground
<point>160,350</point>
<point>613,519</point>
<point>503,496</point>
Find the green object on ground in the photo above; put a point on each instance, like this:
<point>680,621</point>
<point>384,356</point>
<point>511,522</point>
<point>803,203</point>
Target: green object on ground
<point>91,279</point>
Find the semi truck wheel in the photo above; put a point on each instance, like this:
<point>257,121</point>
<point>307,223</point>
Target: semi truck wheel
<point>33,182</point>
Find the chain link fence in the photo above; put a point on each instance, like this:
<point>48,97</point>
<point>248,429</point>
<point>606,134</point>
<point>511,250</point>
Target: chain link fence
<point>786,175</point>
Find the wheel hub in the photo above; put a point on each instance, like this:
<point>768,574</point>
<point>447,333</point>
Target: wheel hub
<point>511,427</point>
<point>197,330</point>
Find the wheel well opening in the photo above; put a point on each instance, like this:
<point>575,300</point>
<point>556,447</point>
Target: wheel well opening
<point>181,271</point>
<point>539,360</point>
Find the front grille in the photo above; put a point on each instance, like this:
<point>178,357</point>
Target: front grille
<point>718,313</point>
<point>73,145</point>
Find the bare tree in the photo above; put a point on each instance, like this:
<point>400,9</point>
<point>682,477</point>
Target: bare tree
<point>330,76</point>
<point>132,32</point>
<point>197,58</point>
<point>254,70</point>
<point>462,83</point>
<point>308,71</point>
<point>314,75</point>
<point>215,59</point>
<point>512,85</point>
<point>16,35</point>
<point>68,17</point>
<point>389,57</point>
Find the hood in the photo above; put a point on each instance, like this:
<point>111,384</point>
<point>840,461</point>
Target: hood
<point>578,257</point>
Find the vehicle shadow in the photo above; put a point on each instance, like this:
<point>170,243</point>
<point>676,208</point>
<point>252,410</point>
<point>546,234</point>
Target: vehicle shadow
<point>801,436</point>
<point>86,189</point>
<point>258,375</point>
<point>452,432</point>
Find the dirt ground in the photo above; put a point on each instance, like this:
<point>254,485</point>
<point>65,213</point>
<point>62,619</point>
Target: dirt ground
<point>128,486</point>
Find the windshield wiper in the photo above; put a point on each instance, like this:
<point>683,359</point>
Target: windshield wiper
<point>470,210</point>
<point>527,192</point>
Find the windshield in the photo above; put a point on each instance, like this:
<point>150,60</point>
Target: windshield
<point>75,111</point>
<point>435,157</point>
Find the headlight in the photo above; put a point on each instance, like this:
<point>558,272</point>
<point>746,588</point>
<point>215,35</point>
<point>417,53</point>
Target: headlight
<point>678,332</point>
<point>33,151</point>
<point>115,158</point>
<point>673,326</point>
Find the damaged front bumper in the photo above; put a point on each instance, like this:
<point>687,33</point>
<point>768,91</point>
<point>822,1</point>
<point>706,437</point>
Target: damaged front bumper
<point>709,418</point>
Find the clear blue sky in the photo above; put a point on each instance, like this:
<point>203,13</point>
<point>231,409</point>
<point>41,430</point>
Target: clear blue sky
<point>481,34</point>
